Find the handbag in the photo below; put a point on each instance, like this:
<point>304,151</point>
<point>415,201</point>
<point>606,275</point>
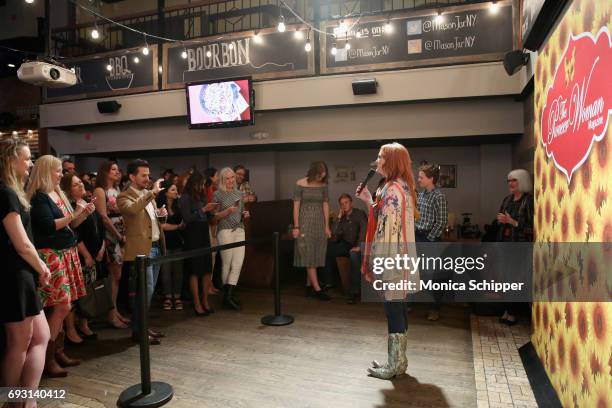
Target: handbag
<point>98,301</point>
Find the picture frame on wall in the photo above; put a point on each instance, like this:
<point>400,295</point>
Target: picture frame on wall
<point>448,176</point>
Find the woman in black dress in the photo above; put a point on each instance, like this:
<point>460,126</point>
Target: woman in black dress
<point>27,331</point>
<point>172,273</point>
<point>195,212</point>
<point>90,244</point>
<point>515,218</point>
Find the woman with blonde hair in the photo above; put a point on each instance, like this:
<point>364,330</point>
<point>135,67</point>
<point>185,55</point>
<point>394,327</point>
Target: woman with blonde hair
<point>25,327</point>
<point>56,243</point>
<point>230,229</point>
<point>105,193</point>
<point>390,233</point>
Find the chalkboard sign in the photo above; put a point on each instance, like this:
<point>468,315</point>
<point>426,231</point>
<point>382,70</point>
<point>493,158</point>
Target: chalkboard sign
<point>538,17</point>
<point>530,10</point>
<point>466,34</point>
<point>276,55</point>
<point>130,72</point>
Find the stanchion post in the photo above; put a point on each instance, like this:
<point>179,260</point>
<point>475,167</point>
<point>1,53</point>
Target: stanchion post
<point>147,394</point>
<point>143,326</point>
<point>277,319</point>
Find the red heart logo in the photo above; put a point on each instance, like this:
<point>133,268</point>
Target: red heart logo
<point>579,101</point>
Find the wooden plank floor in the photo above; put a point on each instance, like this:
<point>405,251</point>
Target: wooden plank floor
<point>230,360</point>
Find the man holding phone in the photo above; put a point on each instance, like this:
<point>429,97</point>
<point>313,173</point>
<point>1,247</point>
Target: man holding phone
<point>144,235</point>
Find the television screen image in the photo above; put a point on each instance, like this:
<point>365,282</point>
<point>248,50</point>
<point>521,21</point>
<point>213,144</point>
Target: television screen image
<point>220,103</point>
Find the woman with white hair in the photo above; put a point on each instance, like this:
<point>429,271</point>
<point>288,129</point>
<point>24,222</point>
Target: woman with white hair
<point>515,220</point>
<point>56,243</point>
<point>230,229</point>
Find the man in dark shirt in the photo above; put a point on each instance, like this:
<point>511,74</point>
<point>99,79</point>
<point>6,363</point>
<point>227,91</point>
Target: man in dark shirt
<point>348,232</point>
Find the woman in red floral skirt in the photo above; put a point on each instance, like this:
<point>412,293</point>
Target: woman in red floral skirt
<point>56,243</point>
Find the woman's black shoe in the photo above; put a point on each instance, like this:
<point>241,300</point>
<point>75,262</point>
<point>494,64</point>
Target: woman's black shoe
<point>321,295</point>
<point>92,336</point>
<point>201,314</point>
<point>228,298</point>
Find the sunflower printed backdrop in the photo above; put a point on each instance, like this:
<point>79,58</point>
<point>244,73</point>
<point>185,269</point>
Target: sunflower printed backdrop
<point>573,196</point>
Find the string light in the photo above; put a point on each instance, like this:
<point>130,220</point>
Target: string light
<point>231,46</point>
<point>160,69</point>
<point>184,54</point>
<point>494,7</point>
<point>257,38</point>
<point>334,50</point>
<point>358,34</point>
<point>145,49</point>
<point>29,1</point>
<point>15,133</point>
<point>388,27</point>
<point>308,46</point>
<point>439,17</point>
<point>298,34</point>
<point>281,25</point>
<point>95,34</point>
<point>11,65</point>
<point>208,54</point>
<point>136,60</point>
<point>109,67</point>
<point>347,45</point>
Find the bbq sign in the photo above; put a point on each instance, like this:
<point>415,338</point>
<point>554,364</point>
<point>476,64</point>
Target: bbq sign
<point>579,101</point>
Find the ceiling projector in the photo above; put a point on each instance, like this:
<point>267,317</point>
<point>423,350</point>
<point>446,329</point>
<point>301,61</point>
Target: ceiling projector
<point>42,73</point>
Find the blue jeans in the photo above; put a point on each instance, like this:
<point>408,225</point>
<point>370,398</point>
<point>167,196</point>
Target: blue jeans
<point>152,273</point>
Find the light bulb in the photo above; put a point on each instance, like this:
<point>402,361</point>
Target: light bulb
<point>109,67</point>
<point>136,60</point>
<point>208,54</point>
<point>358,34</point>
<point>298,34</point>
<point>308,46</point>
<point>15,133</point>
<point>347,46</point>
<point>160,69</point>
<point>145,50</point>
<point>184,54</point>
<point>29,1</point>
<point>95,34</point>
<point>334,50</point>
<point>257,39</point>
<point>281,27</point>
<point>439,17</point>
<point>494,7</point>
<point>231,46</point>
<point>388,27</point>
<point>11,65</point>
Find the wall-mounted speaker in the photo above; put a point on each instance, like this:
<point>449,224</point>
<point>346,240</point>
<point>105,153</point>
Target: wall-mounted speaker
<point>108,106</point>
<point>364,86</point>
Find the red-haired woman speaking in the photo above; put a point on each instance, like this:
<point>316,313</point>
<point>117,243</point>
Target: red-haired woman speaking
<point>391,232</point>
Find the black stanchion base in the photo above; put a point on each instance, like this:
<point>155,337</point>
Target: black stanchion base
<point>281,320</point>
<point>161,394</point>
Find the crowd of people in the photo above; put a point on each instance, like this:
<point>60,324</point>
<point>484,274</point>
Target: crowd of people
<point>62,232</point>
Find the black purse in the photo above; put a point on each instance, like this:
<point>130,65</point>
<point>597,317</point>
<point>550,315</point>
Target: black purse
<point>98,301</point>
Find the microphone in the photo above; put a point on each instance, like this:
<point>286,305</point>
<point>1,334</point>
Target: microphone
<point>366,179</point>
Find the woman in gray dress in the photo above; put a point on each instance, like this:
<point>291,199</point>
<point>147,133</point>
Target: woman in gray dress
<point>311,224</point>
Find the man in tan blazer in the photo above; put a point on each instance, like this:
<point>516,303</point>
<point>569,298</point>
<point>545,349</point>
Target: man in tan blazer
<point>144,235</point>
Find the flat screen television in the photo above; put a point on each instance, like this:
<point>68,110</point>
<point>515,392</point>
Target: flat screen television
<point>220,103</point>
